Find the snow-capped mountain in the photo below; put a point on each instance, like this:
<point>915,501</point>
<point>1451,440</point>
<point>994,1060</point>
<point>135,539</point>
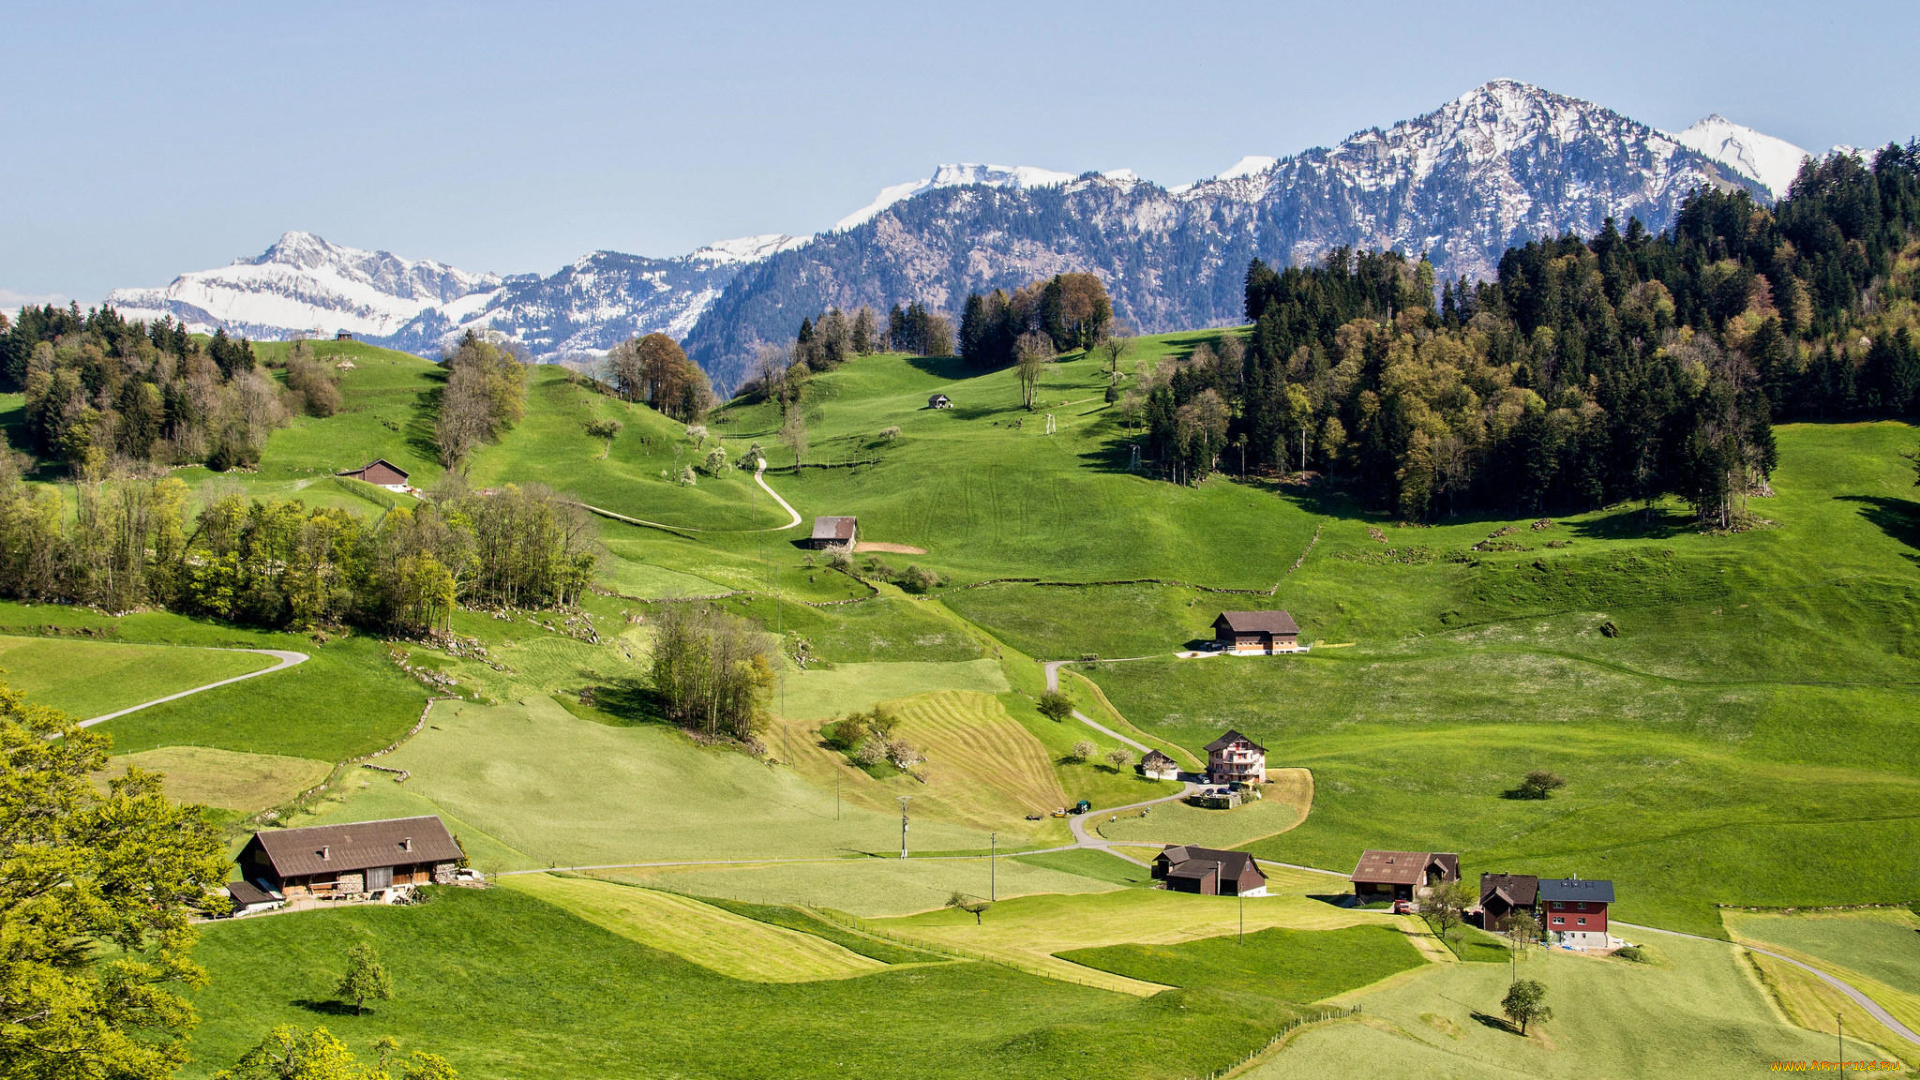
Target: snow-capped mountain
<point>1500,165</point>
<point>1772,162</point>
<point>305,284</point>
<point>946,176</point>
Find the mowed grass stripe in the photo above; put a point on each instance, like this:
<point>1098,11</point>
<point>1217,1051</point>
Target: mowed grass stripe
<point>970,738</point>
<point>720,941</point>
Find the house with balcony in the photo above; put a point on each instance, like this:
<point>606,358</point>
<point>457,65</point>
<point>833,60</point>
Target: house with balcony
<point>1234,758</point>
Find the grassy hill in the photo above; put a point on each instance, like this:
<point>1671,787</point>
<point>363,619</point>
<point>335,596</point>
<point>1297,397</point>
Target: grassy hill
<point>1733,715</point>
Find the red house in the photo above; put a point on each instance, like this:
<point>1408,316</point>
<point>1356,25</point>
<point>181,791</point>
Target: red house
<point>1575,912</point>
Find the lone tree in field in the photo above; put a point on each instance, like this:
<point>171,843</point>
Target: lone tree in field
<point>1084,750</point>
<point>1445,906</point>
<point>972,905</point>
<point>1055,706</point>
<point>1119,757</point>
<point>1539,784</point>
<point>1526,1003</point>
<point>366,978</point>
<point>1030,355</point>
<point>793,432</point>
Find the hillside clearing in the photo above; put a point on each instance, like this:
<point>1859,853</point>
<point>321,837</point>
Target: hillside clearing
<point>225,779</point>
<point>92,678</point>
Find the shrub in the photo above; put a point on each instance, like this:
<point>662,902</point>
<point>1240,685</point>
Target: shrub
<point>1538,784</point>
<point>870,753</point>
<point>882,723</point>
<point>1055,706</point>
<point>1631,952</point>
<point>890,434</point>
<point>919,579</point>
<point>604,429</point>
<point>903,754</point>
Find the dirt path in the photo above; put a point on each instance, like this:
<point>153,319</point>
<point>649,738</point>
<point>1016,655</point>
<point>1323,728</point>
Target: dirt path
<point>759,477</point>
<point>1873,1008</point>
<point>287,658</point>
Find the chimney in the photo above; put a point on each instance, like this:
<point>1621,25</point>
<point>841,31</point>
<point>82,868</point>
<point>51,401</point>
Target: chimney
<point>324,850</point>
<point>406,843</point>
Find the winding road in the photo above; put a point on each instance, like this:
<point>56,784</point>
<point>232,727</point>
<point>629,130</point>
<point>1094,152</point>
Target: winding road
<point>759,477</point>
<point>287,657</point>
<point>1053,686</point>
<point>1873,1008</point>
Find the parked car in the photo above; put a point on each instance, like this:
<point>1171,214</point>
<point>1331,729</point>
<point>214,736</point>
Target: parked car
<point>1403,907</point>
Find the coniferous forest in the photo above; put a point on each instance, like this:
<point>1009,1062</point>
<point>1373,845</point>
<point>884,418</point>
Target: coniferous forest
<point>1622,367</point>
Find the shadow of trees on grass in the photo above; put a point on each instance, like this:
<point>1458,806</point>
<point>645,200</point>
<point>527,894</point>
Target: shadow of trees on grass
<point>1898,518</point>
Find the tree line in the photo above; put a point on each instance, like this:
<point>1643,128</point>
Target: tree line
<point>1071,311</point>
<point>100,390</point>
<point>133,542</point>
<point>653,369</point>
<point>1625,367</point>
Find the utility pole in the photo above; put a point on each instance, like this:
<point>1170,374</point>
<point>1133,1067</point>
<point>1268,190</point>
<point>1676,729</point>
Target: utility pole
<point>1243,915</point>
<point>836,794</point>
<point>1840,1039</point>
<point>993,869</point>
<point>904,800</point>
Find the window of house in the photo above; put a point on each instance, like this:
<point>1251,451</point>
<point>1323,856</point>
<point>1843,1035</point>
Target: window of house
<point>1559,921</point>
<point>1582,922</point>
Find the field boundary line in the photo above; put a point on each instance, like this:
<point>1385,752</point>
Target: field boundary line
<point>1872,1007</point>
<point>287,657</point>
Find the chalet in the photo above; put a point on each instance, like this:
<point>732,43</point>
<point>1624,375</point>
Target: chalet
<point>1209,872</point>
<point>939,401</point>
<point>1235,758</point>
<point>343,335</point>
<point>1256,633</point>
<point>1575,912</point>
<point>349,860</point>
<point>1400,875</point>
<point>381,473</point>
<point>1503,894</point>
<point>834,532</point>
<point>1155,765</point>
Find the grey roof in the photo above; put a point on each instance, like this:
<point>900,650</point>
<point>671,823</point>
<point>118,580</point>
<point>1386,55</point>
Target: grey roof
<point>834,528</point>
<point>1258,622</point>
<point>327,849</point>
<point>246,894</point>
<point>1186,860</point>
<point>1593,892</point>
<point>1229,739</point>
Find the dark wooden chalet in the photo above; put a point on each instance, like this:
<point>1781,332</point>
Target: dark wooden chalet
<point>1399,875</point>
<point>347,860</point>
<point>379,471</point>
<point>1209,872</point>
<point>1503,894</point>
<point>1256,632</point>
<point>939,401</point>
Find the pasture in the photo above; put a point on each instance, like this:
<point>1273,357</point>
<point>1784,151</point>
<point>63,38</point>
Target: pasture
<point>86,678</point>
<point>1302,966</point>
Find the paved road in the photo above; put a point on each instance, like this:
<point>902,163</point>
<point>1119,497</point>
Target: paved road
<point>760,477</point>
<point>1873,1008</point>
<point>287,658</point>
<point>1084,839</point>
<point>1053,684</point>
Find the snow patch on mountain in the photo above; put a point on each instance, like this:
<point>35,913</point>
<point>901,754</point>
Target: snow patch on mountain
<point>748,249</point>
<point>1772,162</point>
<point>957,175</point>
<point>305,284</point>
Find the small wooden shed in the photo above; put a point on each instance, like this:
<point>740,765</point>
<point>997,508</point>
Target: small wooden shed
<point>1209,872</point>
<point>939,401</point>
<point>834,532</point>
<point>381,473</point>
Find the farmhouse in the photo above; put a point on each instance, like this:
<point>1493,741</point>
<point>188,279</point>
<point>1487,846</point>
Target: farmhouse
<point>1155,765</point>
<point>1234,757</point>
<point>1399,875</point>
<point>1576,912</point>
<point>1503,894</point>
<point>349,860</point>
<point>834,532</point>
<point>1209,872</point>
<point>343,335</point>
<point>1256,633</point>
<point>939,401</point>
<point>381,473</point>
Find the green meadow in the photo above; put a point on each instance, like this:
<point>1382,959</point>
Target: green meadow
<point>1733,715</point>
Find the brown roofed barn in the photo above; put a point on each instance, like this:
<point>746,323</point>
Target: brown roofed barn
<point>1503,894</point>
<point>347,860</point>
<point>1209,872</point>
<point>834,532</point>
<point>380,472</point>
<point>1400,875</point>
<point>1251,633</point>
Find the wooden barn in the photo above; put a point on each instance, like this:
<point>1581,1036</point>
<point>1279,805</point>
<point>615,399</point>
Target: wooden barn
<point>1234,758</point>
<point>1209,872</point>
<point>1401,875</point>
<point>939,401</point>
<point>1155,765</point>
<point>1503,894</point>
<point>1256,633</point>
<point>381,473</point>
<point>834,532</point>
<point>349,860</point>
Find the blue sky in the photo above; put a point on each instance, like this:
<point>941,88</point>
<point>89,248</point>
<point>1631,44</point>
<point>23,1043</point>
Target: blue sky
<point>146,140</point>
